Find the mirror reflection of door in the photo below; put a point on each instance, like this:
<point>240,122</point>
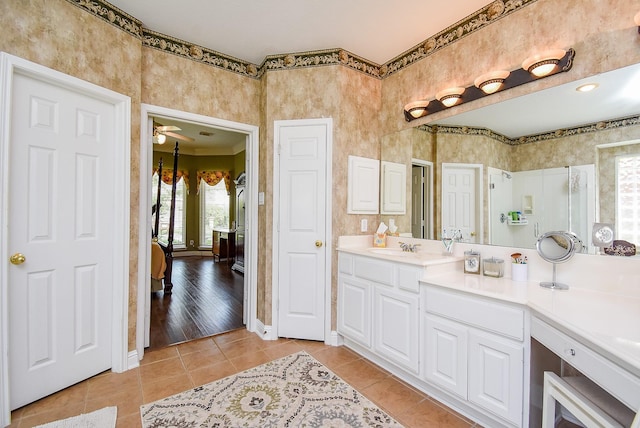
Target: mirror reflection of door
<point>461,184</point>
<point>421,199</point>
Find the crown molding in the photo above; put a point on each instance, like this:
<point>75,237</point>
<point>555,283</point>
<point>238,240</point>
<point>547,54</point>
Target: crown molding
<point>559,133</point>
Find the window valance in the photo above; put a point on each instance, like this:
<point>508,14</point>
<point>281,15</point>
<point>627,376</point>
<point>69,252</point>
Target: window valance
<point>212,178</point>
<point>167,176</point>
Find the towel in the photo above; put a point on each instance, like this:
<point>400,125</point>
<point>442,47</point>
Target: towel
<point>158,262</point>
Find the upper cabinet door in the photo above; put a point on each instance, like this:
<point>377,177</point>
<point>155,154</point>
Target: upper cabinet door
<point>394,188</point>
<point>364,186</point>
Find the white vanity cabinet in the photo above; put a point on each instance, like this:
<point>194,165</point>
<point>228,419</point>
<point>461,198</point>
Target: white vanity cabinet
<point>378,307</point>
<point>475,349</point>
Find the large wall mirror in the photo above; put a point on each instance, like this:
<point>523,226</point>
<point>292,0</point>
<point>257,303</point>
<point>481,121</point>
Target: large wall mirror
<point>562,158</point>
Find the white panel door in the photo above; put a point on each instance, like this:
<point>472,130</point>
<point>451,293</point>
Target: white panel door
<point>301,237</point>
<point>60,217</point>
<point>459,195</point>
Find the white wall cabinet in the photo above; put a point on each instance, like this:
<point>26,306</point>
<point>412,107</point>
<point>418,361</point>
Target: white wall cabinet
<point>393,188</point>
<point>363,191</point>
<point>475,349</point>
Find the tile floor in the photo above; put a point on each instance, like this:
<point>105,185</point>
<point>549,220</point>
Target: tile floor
<point>167,371</point>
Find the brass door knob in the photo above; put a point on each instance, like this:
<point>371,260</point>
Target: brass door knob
<point>473,234</point>
<point>318,244</point>
<point>17,259</point>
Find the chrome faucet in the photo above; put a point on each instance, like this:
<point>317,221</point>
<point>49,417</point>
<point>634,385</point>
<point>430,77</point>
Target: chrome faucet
<point>410,248</point>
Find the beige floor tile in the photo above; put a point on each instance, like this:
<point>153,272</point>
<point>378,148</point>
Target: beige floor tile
<point>361,373</point>
<point>428,414</point>
<point>250,360</point>
<point>282,350</point>
<point>203,358</point>
<point>129,421</point>
<point>153,391</point>
<point>197,346</point>
<point>392,395</point>
<point>159,354</point>
<point>333,357</point>
<point>112,383</point>
<point>212,373</point>
<point>128,402</point>
<point>67,397</point>
<point>232,336</point>
<point>161,369</point>
<point>239,348</point>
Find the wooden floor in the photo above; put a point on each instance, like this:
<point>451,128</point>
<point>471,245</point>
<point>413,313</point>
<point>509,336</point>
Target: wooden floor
<point>206,300</point>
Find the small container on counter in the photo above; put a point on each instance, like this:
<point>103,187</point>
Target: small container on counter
<point>493,267</point>
<point>519,272</point>
<point>472,262</point>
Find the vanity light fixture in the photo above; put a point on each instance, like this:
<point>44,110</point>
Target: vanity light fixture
<point>450,96</point>
<point>544,63</point>
<point>491,82</point>
<point>417,108</point>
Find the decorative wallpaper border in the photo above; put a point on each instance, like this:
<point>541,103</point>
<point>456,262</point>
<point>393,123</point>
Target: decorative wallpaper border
<point>560,133</point>
<point>485,16</point>
<point>109,13</point>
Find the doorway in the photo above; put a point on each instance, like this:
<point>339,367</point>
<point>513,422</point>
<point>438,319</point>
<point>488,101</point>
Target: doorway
<point>249,134</point>
<point>421,199</point>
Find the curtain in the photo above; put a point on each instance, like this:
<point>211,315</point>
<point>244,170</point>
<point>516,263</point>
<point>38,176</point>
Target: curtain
<point>212,178</point>
<point>167,176</point>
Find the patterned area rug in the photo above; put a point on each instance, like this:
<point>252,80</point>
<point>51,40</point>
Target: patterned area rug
<point>293,391</point>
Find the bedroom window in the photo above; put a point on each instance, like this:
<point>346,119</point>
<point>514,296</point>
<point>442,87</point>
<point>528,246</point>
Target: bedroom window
<point>165,204</point>
<point>628,198</point>
<point>214,210</point>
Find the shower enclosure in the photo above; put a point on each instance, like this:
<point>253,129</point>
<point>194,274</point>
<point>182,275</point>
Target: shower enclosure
<point>544,200</point>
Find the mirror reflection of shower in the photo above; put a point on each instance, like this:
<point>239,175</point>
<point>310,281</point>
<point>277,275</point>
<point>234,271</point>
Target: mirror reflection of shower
<point>525,204</point>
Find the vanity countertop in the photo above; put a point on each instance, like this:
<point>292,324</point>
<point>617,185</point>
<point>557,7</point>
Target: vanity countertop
<point>608,322</point>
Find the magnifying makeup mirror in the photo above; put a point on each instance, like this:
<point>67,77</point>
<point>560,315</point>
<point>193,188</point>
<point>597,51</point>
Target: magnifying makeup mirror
<point>556,247</point>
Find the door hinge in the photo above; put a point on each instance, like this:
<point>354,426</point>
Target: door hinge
<point>492,186</point>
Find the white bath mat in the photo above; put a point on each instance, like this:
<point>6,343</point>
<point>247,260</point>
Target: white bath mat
<point>103,418</point>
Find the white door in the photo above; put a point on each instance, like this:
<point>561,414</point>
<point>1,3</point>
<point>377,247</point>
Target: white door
<point>302,234</point>
<point>459,201</point>
<point>61,217</point>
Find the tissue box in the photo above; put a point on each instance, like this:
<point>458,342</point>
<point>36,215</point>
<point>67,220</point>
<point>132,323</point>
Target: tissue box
<point>379,240</point>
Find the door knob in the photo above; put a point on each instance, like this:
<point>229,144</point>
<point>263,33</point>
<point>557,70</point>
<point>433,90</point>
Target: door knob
<point>473,234</point>
<point>17,259</point>
<point>318,244</point>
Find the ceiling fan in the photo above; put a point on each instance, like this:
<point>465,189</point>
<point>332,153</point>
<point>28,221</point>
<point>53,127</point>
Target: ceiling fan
<point>161,132</point>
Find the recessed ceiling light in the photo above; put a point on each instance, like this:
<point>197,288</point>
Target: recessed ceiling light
<point>587,87</point>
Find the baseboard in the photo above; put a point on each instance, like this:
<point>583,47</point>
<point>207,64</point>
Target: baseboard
<point>335,339</point>
<point>201,253</point>
<point>133,360</point>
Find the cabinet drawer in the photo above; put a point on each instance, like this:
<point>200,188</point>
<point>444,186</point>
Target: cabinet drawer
<point>476,311</point>
<point>616,380</point>
<point>345,263</point>
<point>374,270</point>
<point>409,278</point>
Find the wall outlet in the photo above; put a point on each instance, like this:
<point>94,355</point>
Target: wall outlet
<point>363,225</point>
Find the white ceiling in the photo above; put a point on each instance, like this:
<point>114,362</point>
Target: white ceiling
<point>377,30</point>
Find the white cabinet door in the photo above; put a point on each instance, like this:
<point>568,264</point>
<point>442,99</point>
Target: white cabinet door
<point>446,354</point>
<point>496,375</point>
<point>354,309</point>
<point>396,327</point>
